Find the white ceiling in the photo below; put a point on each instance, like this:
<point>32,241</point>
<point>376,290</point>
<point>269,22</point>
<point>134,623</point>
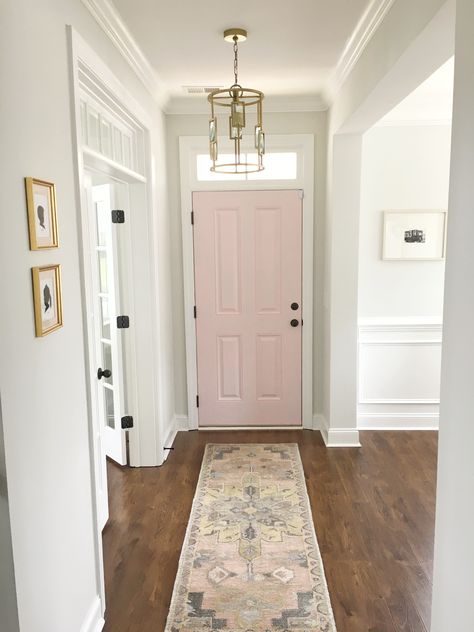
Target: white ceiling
<point>431,102</point>
<point>293,46</point>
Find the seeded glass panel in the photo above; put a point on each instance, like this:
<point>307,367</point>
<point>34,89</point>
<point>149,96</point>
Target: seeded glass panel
<point>103,280</point>
<point>109,407</point>
<point>105,317</point>
<point>107,361</point>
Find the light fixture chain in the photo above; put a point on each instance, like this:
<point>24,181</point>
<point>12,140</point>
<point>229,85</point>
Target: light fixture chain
<point>236,59</point>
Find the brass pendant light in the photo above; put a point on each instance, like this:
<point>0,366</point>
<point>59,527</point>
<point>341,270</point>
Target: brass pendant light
<point>244,106</point>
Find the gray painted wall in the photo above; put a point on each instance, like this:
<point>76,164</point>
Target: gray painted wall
<point>43,380</point>
<point>8,605</point>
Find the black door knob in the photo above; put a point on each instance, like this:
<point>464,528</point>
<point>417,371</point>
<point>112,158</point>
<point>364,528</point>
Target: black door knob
<point>294,322</point>
<point>294,306</point>
<point>103,373</point>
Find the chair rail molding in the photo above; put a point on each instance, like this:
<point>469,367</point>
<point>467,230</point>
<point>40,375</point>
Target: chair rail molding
<point>399,364</point>
<point>110,21</point>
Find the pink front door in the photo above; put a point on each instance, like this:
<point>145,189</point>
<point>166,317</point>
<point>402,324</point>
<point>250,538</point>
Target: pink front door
<point>247,249</point>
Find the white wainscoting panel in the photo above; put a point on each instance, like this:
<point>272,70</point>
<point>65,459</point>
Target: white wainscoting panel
<point>399,374</point>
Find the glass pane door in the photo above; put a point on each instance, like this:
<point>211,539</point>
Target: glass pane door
<point>106,301</point>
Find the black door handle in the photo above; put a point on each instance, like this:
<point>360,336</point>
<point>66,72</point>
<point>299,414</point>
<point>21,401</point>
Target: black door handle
<point>294,306</point>
<point>103,373</point>
<point>294,322</point>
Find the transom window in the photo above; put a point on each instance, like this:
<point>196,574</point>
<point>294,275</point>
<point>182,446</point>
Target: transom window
<point>279,165</point>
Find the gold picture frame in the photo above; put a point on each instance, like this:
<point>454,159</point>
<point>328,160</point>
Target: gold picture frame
<point>42,214</point>
<point>47,299</point>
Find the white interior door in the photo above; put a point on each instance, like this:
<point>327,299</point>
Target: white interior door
<point>105,196</point>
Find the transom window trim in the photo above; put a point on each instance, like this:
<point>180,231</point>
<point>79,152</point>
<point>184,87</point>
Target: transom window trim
<point>107,129</point>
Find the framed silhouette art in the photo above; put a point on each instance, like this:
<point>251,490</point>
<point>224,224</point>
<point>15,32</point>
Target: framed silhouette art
<point>42,219</point>
<point>47,299</point>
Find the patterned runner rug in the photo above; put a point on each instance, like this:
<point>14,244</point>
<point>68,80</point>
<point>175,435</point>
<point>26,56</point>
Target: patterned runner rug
<point>250,560</point>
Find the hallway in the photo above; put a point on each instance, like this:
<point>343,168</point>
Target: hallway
<point>373,511</point>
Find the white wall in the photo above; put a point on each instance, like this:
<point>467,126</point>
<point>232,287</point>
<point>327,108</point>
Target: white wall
<point>45,419</point>
<point>402,168</point>
<point>411,43</point>
<point>275,123</point>
<point>400,302</point>
<point>454,545</point>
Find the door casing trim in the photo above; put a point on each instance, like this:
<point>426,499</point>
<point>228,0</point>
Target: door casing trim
<point>189,148</point>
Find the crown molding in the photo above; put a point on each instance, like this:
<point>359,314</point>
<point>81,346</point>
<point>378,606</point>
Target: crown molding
<point>368,24</point>
<point>108,18</point>
<point>199,105</point>
<point>413,122</point>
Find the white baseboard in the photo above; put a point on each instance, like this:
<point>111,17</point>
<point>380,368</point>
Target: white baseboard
<point>319,423</point>
<point>168,442</point>
<point>341,438</point>
<point>94,622</point>
<point>178,423</point>
<point>221,428</point>
<point>336,437</point>
<point>398,421</point>
<point>181,422</point>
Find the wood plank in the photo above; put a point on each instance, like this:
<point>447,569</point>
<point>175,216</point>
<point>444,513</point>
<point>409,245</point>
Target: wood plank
<point>373,510</point>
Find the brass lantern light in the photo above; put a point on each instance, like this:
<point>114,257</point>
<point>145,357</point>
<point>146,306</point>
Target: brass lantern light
<point>243,107</point>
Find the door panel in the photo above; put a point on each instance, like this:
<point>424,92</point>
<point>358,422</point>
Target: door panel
<point>228,264</point>
<point>269,367</point>
<point>268,279</point>
<point>247,248</point>
<point>229,367</point>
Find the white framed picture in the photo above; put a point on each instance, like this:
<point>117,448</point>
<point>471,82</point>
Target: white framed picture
<point>418,235</point>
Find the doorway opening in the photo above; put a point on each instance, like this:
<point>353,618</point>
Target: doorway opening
<point>402,245</point>
<point>118,227</point>
<point>290,172</point>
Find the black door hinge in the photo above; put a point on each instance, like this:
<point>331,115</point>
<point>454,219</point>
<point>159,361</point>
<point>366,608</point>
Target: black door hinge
<point>123,322</point>
<point>197,401</point>
<point>118,217</point>
<point>195,311</point>
<point>127,422</point>
<point>192,217</point>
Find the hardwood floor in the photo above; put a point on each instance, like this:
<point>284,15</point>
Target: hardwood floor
<point>373,510</point>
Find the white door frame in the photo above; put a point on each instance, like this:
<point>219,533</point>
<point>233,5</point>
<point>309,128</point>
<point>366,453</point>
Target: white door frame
<point>103,83</point>
<point>303,145</point>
